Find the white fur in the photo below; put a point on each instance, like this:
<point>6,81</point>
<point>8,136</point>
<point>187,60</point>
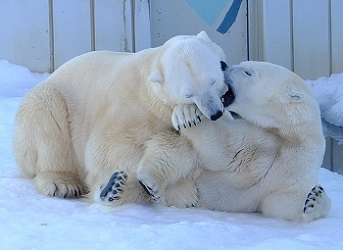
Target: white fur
<point>92,116</point>
<point>266,162</point>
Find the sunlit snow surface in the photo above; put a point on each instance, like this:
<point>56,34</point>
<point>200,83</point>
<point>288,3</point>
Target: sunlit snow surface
<point>29,220</point>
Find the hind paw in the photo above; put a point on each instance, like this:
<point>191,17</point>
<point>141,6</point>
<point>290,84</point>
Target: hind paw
<point>63,185</point>
<point>114,189</point>
<point>317,203</point>
<point>186,115</point>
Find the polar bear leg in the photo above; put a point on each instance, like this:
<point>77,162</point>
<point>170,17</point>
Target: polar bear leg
<point>183,194</point>
<point>42,145</point>
<point>293,207</point>
<point>285,205</point>
<point>168,157</point>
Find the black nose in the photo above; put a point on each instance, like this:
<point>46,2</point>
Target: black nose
<point>217,115</point>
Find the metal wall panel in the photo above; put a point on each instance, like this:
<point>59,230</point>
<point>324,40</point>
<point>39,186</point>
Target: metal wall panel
<point>337,35</point>
<point>24,33</point>
<point>276,25</point>
<point>44,34</point>
<point>311,38</point>
<point>113,26</point>
<point>72,29</point>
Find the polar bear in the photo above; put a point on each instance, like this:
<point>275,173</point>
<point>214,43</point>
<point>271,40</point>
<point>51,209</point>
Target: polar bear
<point>267,161</point>
<point>93,115</point>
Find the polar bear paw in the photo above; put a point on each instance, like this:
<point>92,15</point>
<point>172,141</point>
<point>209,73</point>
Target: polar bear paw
<point>153,191</point>
<point>114,188</point>
<point>317,204</point>
<point>186,115</point>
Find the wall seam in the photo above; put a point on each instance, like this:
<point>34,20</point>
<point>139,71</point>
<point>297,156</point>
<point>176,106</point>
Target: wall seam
<point>92,23</point>
<point>51,36</point>
<point>133,25</point>
<point>291,34</point>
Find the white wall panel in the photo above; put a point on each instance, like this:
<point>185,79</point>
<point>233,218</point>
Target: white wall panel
<point>142,31</point>
<point>337,35</point>
<point>72,29</point>
<point>275,24</point>
<point>113,27</point>
<point>24,33</point>
<point>311,38</point>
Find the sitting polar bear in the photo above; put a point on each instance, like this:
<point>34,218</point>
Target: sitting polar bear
<point>93,115</point>
<point>266,162</point>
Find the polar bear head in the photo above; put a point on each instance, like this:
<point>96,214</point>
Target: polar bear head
<point>190,71</point>
<point>271,96</point>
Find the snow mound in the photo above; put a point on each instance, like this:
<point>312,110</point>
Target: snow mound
<point>329,94</point>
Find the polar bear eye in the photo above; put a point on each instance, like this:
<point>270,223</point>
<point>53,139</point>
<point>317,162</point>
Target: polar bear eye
<point>189,96</point>
<point>247,73</point>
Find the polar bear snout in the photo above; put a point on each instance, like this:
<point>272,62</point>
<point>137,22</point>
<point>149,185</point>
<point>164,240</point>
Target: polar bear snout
<point>211,106</point>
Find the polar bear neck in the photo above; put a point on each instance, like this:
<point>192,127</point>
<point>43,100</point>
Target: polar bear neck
<point>302,135</point>
<point>157,106</point>
<point>159,109</point>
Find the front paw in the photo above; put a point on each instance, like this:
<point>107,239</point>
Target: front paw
<point>186,115</point>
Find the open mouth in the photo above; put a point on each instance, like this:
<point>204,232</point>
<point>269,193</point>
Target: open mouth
<point>228,97</point>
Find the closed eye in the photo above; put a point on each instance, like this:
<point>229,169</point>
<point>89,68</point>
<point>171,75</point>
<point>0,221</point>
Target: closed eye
<point>247,73</point>
<point>189,96</point>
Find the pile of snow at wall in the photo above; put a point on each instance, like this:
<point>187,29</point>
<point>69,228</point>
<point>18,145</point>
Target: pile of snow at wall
<point>29,220</point>
<point>329,94</point>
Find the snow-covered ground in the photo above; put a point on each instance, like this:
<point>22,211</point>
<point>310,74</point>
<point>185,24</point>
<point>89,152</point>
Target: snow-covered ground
<point>30,221</point>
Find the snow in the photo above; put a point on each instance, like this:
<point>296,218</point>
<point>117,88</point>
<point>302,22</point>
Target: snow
<point>329,94</point>
<point>29,220</point>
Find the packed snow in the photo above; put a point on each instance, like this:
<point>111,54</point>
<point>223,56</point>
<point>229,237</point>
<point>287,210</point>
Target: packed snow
<point>329,94</point>
<point>29,220</point>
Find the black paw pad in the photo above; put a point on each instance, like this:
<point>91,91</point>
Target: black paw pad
<point>114,187</point>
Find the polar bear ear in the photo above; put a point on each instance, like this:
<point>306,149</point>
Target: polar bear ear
<point>155,76</point>
<point>294,95</point>
<point>204,37</point>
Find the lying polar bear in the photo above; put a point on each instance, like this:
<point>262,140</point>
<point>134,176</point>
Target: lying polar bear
<point>266,162</point>
<point>93,115</point>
